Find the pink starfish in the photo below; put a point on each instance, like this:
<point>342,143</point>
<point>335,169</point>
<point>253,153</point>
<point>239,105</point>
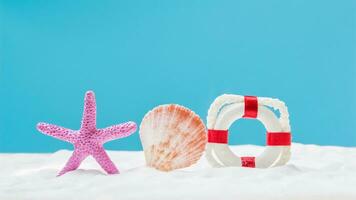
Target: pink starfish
<point>89,140</point>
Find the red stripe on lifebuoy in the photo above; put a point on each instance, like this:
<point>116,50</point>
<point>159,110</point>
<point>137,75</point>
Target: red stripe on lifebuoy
<point>279,138</point>
<point>248,162</point>
<point>218,136</point>
<point>251,107</point>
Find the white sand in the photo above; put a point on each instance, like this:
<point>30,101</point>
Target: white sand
<point>315,172</point>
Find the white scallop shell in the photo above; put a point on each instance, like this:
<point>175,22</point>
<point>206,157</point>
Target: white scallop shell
<point>172,137</point>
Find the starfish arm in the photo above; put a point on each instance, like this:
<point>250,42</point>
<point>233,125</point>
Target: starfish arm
<point>56,132</point>
<point>117,131</point>
<point>89,113</point>
<point>73,162</point>
<point>104,161</point>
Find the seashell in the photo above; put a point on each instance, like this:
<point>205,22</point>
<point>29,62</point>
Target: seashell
<point>172,137</point>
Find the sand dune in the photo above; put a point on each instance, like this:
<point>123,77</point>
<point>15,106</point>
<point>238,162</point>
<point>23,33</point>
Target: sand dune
<point>314,172</point>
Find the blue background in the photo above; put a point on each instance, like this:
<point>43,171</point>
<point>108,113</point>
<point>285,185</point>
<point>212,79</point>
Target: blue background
<point>139,54</point>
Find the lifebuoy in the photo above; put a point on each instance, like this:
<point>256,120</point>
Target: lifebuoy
<point>228,108</point>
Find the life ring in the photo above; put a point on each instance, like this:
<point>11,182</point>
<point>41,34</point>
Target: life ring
<point>228,108</point>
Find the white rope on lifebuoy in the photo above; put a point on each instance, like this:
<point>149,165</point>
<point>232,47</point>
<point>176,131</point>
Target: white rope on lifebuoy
<point>228,108</point>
